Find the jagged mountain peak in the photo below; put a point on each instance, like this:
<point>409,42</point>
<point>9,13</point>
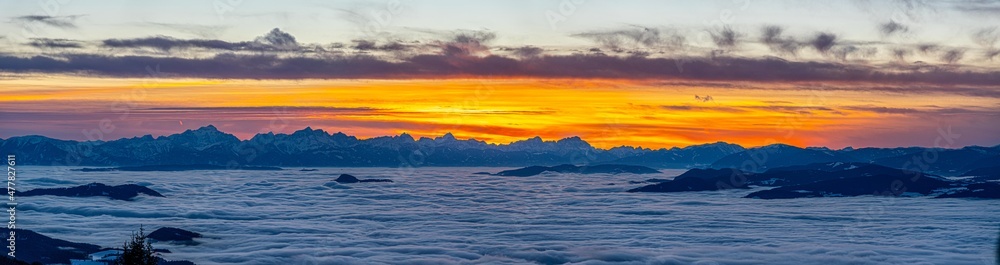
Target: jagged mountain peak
<point>530,142</point>
<point>571,139</point>
<point>310,131</point>
<point>204,130</point>
<point>573,142</point>
<point>779,146</point>
<point>405,137</point>
<point>201,138</point>
<point>208,128</point>
<point>446,137</point>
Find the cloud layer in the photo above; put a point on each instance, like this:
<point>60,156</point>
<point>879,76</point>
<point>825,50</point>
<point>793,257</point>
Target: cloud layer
<point>457,63</point>
<point>636,52</point>
<point>446,216</point>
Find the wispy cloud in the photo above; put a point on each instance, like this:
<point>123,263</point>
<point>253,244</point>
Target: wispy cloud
<point>44,43</point>
<point>823,41</point>
<point>773,38</point>
<point>65,22</point>
<point>952,56</point>
<point>726,38</point>
<point>892,28</point>
<point>698,108</point>
<point>928,110</point>
<point>635,37</point>
<point>987,39</point>
<point>525,52</point>
<point>370,45</point>
<point>468,43</point>
<point>463,53</point>
<point>202,31</point>
<point>263,66</point>
<point>275,40</point>
<point>977,7</point>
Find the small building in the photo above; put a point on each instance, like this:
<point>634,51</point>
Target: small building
<point>99,258</point>
<point>86,262</point>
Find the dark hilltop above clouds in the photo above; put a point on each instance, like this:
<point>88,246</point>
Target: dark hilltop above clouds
<point>835,179</point>
<point>124,192</point>
<point>36,248</point>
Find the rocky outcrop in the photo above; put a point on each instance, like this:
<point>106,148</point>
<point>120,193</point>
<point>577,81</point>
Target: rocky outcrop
<point>347,179</point>
<point>880,185</point>
<point>121,192</point>
<point>174,235</point>
<point>34,247</point>
<point>700,180</point>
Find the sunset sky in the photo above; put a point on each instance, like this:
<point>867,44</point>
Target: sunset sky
<point>640,73</point>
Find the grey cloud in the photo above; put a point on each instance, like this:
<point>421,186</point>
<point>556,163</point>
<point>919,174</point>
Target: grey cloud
<point>931,110</point>
<point>262,66</point>
<point>941,87</point>
<point>635,37</point>
<point>953,56</point>
<point>772,37</point>
<point>703,108</point>
<point>913,9</point>
<point>370,45</point>
<point>989,54</point>
<point>823,42</point>
<point>977,7</point>
<point>892,27</point>
<point>264,109</point>
<point>900,54</point>
<point>279,40</point>
<point>65,22</point>
<point>202,31</point>
<point>726,38</point>
<point>275,40</point>
<point>844,52</point>
<point>986,37</point>
<point>467,43</point>
<point>44,43</point>
<point>794,109</point>
<point>168,43</point>
<point>526,52</point>
<point>883,110</point>
<point>466,53</point>
<point>928,48</point>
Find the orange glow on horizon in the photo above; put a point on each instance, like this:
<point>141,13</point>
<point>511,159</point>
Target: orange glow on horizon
<point>606,113</point>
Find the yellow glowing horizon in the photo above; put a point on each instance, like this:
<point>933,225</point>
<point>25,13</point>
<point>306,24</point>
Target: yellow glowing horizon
<point>604,112</point>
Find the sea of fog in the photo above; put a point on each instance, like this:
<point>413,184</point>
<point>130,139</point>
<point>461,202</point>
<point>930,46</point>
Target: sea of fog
<point>451,216</point>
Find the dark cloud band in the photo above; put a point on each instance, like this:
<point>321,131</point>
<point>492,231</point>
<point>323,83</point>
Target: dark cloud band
<point>261,66</point>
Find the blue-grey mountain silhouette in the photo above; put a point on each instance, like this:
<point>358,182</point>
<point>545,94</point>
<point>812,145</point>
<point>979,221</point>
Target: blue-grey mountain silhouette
<point>311,147</point>
<point>177,168</point>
